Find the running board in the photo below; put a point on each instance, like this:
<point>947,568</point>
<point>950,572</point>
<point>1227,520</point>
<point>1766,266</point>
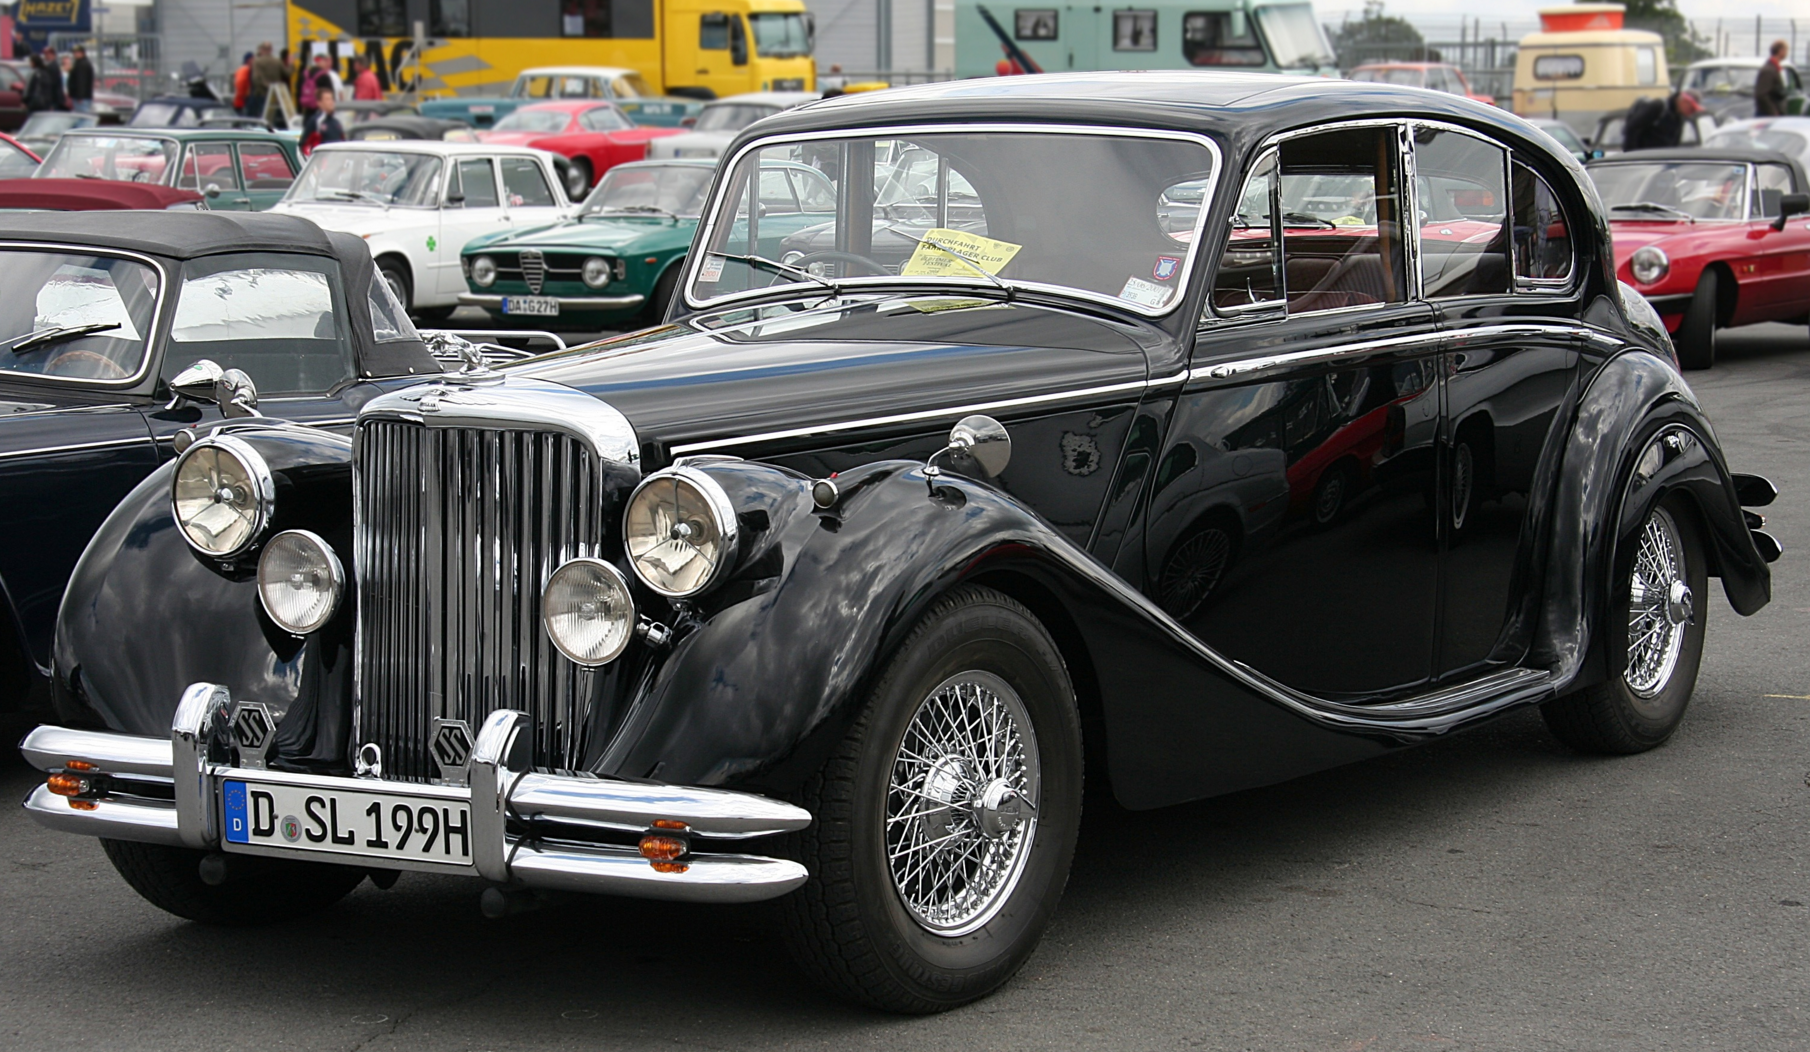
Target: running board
<point>1427,714</point>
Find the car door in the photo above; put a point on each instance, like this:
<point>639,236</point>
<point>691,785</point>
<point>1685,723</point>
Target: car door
<point>265,172</point>
<point>474,207</point>
<point>1495,263</point>
<point>529,199</point>
<point>1289,526</point>
<point>1778,266</point>
<point>209,167</point>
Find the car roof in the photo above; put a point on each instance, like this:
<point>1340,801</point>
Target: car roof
<point>120,131</point>
<point>437,147</point>
<point>773,98</point>
<point>1404,65</point>
<point>188,101</point>
<point>1786,123</point>
<point>1753,62</point>
<point>575,71</point>
<point>181,235</point>
<point>569,105</point>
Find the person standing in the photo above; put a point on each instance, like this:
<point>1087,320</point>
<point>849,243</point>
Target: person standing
<point>364,81</point>
<point>265,72</point>
<point>81,82</point>
<point>1769,86</point>
<point>242,87</point>
<point>317,80</point>
<point>327,127</point>
<point>45,89</point>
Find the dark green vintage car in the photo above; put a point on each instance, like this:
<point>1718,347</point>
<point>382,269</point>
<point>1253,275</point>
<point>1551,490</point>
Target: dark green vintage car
<point>618,259</point>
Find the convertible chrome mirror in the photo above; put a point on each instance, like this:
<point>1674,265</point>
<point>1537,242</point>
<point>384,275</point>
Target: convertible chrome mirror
<point>230,389</point>
<point>978,439</point>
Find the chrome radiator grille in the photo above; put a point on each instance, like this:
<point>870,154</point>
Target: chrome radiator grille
<point>534,269</point>
<point>457,529</point>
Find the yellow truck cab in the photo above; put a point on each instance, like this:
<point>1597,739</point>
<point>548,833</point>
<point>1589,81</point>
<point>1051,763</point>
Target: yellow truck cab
<point>697,48</point>
<point>1583,64</point>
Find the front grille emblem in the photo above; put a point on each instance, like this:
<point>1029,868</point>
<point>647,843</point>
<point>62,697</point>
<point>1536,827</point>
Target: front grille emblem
<point>253,732</point>
<point>451,749</point>
<point>534,269</point>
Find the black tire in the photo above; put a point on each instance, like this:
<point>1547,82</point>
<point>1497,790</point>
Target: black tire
<point>1193,567</point>
<point>850,927</point>
<point>578,180</point>
<point>1696,335</point>
<point>256,890</point>
<point>433,315</point>
<point>1631,712</point>
<point>1332,493</point>
<point>655,311</point>
<point>395,274</point>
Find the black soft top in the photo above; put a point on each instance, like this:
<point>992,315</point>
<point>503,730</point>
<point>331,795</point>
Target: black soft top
<point>175,235</point>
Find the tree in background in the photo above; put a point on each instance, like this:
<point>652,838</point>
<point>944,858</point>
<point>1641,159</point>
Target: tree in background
<point>1378,37</point>
<point>1683,45</point>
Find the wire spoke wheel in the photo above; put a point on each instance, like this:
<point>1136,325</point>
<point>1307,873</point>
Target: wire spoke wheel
<point>961,808</point>
<point>1193,570</point>
<point>1659,606</point>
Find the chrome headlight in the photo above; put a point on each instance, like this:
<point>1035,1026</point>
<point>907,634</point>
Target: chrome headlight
<point>483,271</point>
<point>679,529</point>
<point>588,611</point>
<point>596,272</point>
<point>222,495</point>
<point>1649,264</point>
<point>300,581</point>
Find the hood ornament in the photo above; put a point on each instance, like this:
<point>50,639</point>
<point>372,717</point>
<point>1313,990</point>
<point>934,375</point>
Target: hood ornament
<point>449,348</point>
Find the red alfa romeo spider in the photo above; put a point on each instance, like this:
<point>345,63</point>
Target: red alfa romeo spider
<point>1713,238</point>
<point>593,134</point>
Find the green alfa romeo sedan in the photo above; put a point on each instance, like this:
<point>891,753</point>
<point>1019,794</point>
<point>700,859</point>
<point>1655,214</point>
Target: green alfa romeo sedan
<point>618,258</point>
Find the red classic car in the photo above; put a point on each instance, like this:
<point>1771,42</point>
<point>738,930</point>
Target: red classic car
<point>593,134</point>
<point>1435,75</point>
<point>1713,238</point>
<point>16,159</point>
<point>90,195</point>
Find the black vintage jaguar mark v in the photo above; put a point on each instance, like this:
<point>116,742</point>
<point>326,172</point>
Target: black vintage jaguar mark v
<point>1200,430</point>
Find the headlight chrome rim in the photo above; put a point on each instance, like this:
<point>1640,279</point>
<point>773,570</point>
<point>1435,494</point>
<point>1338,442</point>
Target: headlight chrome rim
<point>483,271</point>
<point>336,576</point>
<point>722,512</point>
<point>1649,264</point>
<point>616,580</point>
<point>604,275</point>
<point>257,472</point>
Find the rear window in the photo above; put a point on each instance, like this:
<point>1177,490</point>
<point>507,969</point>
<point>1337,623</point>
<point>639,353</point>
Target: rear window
<point>524,183</point>
<point>274,315</point>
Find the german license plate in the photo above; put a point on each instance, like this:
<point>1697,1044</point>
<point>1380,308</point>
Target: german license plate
<point>531,306</point>
<point>347,822</point>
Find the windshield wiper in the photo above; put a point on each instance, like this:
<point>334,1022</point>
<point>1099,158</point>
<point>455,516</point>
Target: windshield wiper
<point>1653,206</point>
<point>639,210</point>
<point>359,195</point>
<point>1300,219</point>
<point>1009,290</point>
<point>777,267</point>
<point>57,333</point>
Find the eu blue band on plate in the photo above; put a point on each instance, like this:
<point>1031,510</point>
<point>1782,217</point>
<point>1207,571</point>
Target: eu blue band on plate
<point>238,824</point>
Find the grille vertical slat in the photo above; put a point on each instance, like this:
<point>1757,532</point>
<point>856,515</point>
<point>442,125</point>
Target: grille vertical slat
<point>456,532</point>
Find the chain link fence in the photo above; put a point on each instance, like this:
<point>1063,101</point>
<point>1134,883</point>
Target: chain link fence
<point>130,65</point>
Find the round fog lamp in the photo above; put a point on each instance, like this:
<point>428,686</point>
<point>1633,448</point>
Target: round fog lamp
<point>1649,264</point>
<point>299,581</point>
<point>596,272</point>
<point>588,611</point>
<point>483,271</point>
<point>221,496</point>
<point>679,529</point>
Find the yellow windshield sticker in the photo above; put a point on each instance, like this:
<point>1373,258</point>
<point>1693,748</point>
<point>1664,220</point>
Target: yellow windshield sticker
<point>929,261</point>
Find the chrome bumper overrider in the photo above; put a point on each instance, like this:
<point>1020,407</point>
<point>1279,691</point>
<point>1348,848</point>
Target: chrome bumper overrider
<point>528,829</point>
<point>489,302</point>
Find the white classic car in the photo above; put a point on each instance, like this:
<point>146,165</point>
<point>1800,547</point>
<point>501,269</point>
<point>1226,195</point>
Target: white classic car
<point>418,202</point>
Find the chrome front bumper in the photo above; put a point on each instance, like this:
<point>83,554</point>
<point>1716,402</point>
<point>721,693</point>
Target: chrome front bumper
<point>528,829</point>
<point>566,303</point>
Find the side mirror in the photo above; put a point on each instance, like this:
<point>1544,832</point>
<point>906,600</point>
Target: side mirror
<point>980,440</point>
<point>1791,205</point>
<point>212,190</point>
<point>455,198</point>
<point>230,389</point>
<point>688,122</point>
<point>196,383</point>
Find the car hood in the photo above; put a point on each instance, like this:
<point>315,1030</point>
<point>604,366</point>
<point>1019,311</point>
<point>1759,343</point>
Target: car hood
<point>1629,236</point>
<point>619,235</point>
<point>363,220</point>
<point>799,372</point>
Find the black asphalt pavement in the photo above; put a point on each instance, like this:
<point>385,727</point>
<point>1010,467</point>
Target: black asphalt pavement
<point>1494,891</point>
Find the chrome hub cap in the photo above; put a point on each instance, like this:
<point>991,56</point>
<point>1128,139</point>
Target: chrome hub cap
<point>961,809</point>
<point>1660,607</point>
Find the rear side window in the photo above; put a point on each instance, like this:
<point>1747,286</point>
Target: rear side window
<point>1774,183</point>
<point>524,183</point>
<point>1541,235</point>
<point>1341,213</point>
<point>475,180</point>
<point>1464,231</point>
<point>603,119</point>
<point>276,316</point>
<point>209,163</point>
<point>266,166</point>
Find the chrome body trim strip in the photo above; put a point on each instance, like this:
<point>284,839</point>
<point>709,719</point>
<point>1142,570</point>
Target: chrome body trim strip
<point>1456,337</point>
<point>75,447</point>
<point>495,302</point>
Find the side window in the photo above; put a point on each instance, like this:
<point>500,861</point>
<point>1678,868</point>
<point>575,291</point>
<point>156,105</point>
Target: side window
<point>713,32</point>
<point>1463,198</point>
<point>776,193</point>
<point>389,321</point>
<point>814,192</point>
<point>477,182</point>
<point>1774,182</point>
<point>1542,238</point>
<point>1134,30</point>
<point>1221,38</point>
<point>1646,65</point>
<point>1034,24</point>
<point>537,87</point>
<point>524,183</point>
<point>1250,266</point>
<point>602,119</point>
<point>1341,218</point>
<point>266,166</point>
<point>209,162</point>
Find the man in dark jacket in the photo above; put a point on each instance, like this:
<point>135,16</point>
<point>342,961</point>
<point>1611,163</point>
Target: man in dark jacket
<point>81,82</point>
<point>1655,124</point>
<point>1769,86</point>
<point>45,89</point>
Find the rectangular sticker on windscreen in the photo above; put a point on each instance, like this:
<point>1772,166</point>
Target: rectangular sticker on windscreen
<point>711,270</point>
<point>1147,293</point>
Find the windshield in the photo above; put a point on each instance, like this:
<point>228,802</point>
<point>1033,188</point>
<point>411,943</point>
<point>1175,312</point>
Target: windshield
<point>731,116</point>
<point>1678,190</point>
<point>971,209</point>
<point>781,35</point>
<point>1789,143</point>
<point>678,189</point>
<point>1563,133</point>
<point>129,159</point>
<point>47,123</point>
<point>369,177</point>
<point>48,291</point>
<point>1721,80</point>
<point>1295,38</point>
<point>1412,78</point>
<point>534,121</point>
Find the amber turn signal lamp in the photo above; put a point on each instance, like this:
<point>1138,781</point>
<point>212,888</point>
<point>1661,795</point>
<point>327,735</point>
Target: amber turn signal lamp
<point>84,805</point>
<point>80,765</point>
<point>661,848</point>
<point>670,823</point>
<point>659,867</point>
<point>68,784</point>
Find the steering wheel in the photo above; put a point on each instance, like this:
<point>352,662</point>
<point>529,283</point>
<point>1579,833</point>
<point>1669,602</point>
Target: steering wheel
<point>873,266</point>
<point>101,366</point>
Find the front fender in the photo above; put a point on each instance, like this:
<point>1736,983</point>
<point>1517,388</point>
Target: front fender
<point>1633,398</point>
<point>146,615</point>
